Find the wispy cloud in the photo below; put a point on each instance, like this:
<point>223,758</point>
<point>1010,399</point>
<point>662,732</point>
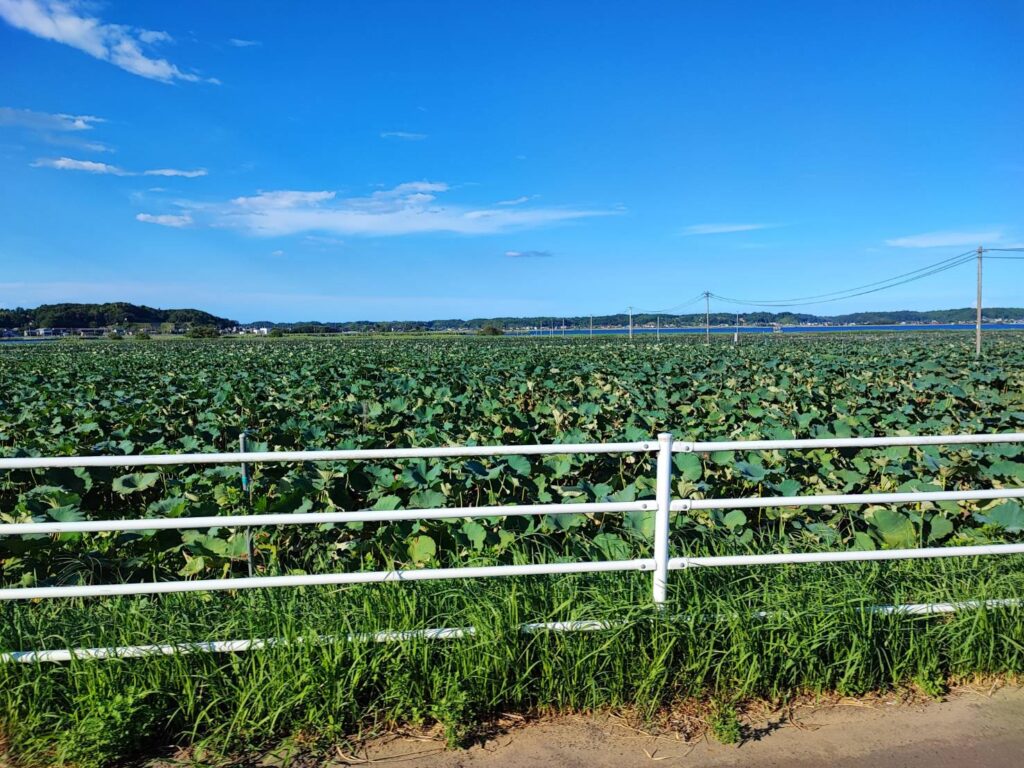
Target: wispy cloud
<point>240,43</point>
<point>194,174</point>
<point>722,229</point>
<point>529,254</point>
<point>46,121</point>
<point>89,166</point>
<point>58,129</point>
<point>410,208</point>
<point>71,164</point>
<point>165,220</point>
<point>403,135</point>
<point>515,201</point>
<point>277,253</point>
<point>69,22</point>
<point>946,239</point>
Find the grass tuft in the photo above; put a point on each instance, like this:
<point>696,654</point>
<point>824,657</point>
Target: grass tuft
<point>726,636</point>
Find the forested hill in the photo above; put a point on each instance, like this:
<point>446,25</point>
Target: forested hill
<point>104,315</point>
<point>667,321</point>
<point>122,313</point>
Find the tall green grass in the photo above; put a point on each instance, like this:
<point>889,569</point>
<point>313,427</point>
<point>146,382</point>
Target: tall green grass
<point>725,635</point>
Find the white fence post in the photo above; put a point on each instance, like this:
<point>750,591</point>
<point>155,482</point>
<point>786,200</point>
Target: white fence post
<point>243,447</point>
<point>661,517</point>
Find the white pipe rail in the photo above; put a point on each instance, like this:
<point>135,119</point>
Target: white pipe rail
<point>322,579</point>
<point>354,454</point>
<point>321,518</point>
<point>437,633</point>
<point>849,556</point>
<point>845,442</point>
<point>663,505</point>
<point>910,497</point>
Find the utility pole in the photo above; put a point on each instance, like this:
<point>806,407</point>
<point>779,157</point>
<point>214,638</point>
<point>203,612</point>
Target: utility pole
<point>707,317</point>
<point>630,323</point>
<point>977,320</point>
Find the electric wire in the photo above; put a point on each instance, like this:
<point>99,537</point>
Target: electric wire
<point>926,271</point>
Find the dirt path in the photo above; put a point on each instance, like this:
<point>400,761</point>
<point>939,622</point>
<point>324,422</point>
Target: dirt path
<point>970,728</point>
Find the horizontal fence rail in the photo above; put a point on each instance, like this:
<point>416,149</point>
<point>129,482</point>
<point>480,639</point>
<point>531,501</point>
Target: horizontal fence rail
<point>353,454</point>
<point>663,505</point>
<point>320,518</point>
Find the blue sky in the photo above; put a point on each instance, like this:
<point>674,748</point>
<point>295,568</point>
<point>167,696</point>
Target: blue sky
<point>387,160</point>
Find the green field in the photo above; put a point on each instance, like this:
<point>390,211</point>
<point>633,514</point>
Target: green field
<point>727,633</point>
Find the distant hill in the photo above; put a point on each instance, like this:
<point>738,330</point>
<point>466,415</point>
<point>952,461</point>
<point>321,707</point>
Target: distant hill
<point>893,317</point>
<point>122,313</point>
<point>104,315</point>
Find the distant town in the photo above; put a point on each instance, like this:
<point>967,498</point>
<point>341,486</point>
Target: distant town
<point>124,319</point>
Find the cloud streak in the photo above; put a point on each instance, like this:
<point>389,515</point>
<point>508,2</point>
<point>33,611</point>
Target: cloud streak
<point>194,174</point>
<point>89,166</point>
<point>403,135</point>
<point>529,254</point>
<point>165,220</point>
<point>45,121</point>
<point>123,46</point>
<point>71,164</point>
<point>407,209</point>
<point>722,229</point>
<point>238,42</point>
<point>946,239</point>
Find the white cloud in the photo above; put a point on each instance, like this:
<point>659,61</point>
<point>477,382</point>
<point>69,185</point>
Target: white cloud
<point>165,220</point>
<point>69,23</point>
<point>278,252</point>
<point>946,239</point>
<point>409,208</point>
<point>45,121</point>
<point>239,43</point>
<point>529,254</point>
<point>721,229</point>
<point>321,240</point>
<point>69,164</point>
<point>404,135</point>
<point>515,201</point>
<point>175,172</point>
<point>151,36</point>
<point>282,199</point>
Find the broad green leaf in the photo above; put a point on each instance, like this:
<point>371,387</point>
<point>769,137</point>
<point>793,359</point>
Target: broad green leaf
<point>689,466</point>
<point>135,482</point>
<point>939,528</point>
<point>387,503</point>
<point>519,464</point>
<point>750,471</point>
<point>734,519</point>
<point>422,549</point>
<point>1009,515</point>
<point>640,524</point>
<point>475,532</point>
<point>895,529</point>
<point>612,547</point>
<point>428,500</point>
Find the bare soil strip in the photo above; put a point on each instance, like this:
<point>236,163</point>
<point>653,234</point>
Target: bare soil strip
<point>972,726</point>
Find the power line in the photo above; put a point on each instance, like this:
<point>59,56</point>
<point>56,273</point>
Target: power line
<point>860,290</point>
<point>670,310</point>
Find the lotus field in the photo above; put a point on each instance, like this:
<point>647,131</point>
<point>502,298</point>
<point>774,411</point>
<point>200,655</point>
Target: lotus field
<point>727,633</point>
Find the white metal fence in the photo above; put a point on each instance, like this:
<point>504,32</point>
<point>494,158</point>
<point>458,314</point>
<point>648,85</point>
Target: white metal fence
<point>660,564</point>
